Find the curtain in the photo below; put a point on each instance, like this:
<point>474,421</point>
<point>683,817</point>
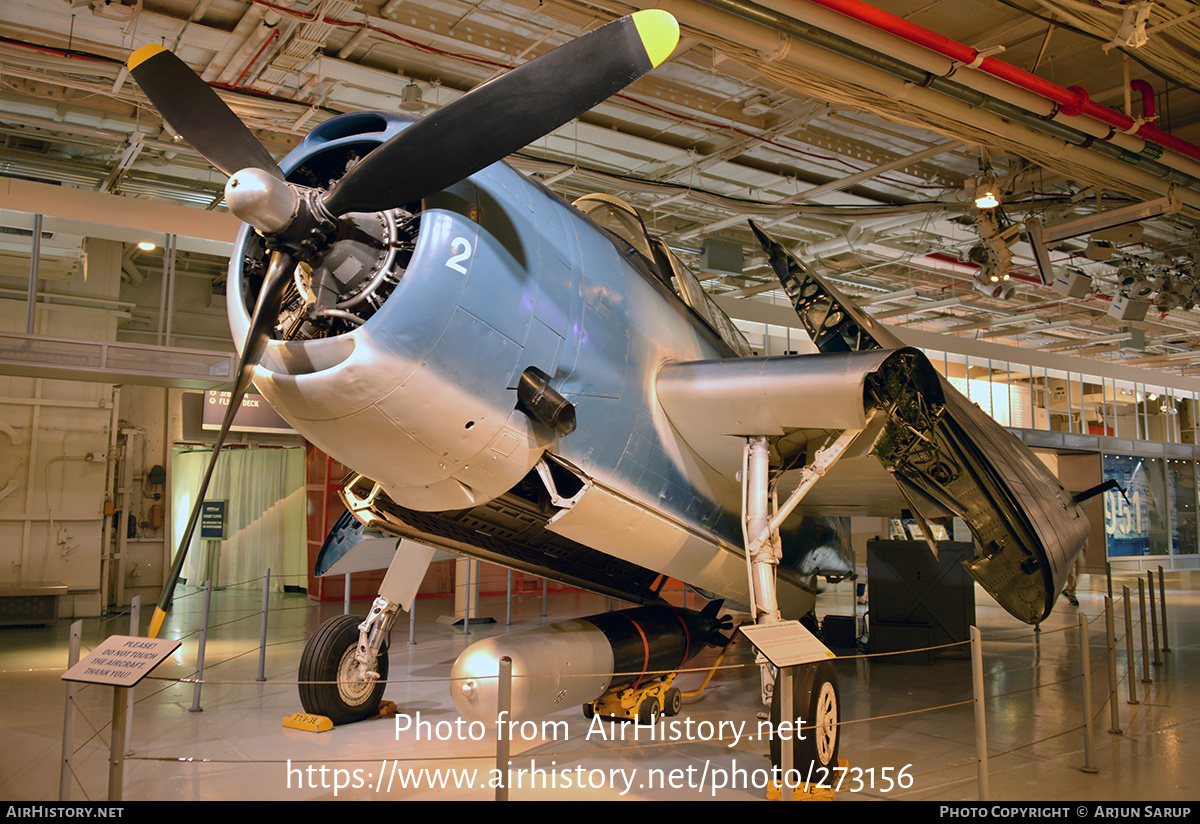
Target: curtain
<point>265,524</point>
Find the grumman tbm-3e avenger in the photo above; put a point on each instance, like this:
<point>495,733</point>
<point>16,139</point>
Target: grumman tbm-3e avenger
<point>545,386</point>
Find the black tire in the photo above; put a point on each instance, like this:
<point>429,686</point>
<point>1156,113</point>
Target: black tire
<point>589,711</point>
<point>647,711</point>
<point>816,701</point>
<point>672,702</point>
<point>328,655</point>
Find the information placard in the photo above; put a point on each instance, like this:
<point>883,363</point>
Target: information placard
<point>212,520</point>
<point>787,643</point>
<point>122,660</point>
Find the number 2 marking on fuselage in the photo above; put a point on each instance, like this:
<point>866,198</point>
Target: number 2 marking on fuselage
<point>456,262</point>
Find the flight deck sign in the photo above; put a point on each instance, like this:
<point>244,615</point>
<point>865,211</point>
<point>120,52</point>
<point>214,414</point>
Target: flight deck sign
<point>255,414</point>
<point>122,660</point>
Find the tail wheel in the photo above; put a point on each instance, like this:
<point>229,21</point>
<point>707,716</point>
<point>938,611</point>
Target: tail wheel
<point>817,702</point>
<point>329,657</point>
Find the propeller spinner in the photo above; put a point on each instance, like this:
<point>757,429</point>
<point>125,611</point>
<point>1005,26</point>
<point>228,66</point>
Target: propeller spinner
<point>471,133</point>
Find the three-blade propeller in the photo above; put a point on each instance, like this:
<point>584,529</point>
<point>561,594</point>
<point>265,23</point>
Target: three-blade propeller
<point>471,133</point>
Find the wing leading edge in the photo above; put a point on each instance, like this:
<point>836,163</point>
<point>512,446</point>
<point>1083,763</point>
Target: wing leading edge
<point>942,453</point>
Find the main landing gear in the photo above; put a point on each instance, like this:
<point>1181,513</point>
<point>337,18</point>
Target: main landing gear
<point>815,698</point>
<point>341,678</point>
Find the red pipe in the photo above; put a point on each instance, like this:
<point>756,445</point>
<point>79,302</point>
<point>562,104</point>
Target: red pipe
<point>1147,92</point>
<point>254,59</point>
<point>1072,101</point>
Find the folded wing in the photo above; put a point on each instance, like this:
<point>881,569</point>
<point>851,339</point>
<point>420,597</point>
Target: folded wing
<point>919,444</point>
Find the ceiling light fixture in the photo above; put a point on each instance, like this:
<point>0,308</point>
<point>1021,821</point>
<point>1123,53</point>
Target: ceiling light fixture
<point>146,246</point>
<point>985,191</point>
<point>412,98</point>
<point>986,200</point>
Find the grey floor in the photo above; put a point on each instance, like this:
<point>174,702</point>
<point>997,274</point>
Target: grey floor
<point>237,748</point>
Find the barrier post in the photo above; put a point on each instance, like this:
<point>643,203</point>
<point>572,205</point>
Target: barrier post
<point>1162,605</point>
<point>1153,617</point>
<point>68,742</point>
<point>262,629</point>
<point>1085,656</point>
<point>503,715</point>
<point>1130,661</point>
<point>200,652</point>
<point>1110,632</point>
<point>980,714</point>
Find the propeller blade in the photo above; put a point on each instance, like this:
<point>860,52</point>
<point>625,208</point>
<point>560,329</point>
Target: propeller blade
<point>500,117</point>
<point>266,313</point>
<point>195,111</point>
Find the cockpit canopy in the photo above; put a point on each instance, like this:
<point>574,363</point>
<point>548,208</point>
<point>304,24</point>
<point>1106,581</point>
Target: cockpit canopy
<point>621,219</point>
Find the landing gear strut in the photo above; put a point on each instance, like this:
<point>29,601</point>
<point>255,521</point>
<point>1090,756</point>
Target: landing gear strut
<point>812,720</point>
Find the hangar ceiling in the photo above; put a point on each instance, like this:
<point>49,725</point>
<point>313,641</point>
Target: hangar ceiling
<point>860,138</point>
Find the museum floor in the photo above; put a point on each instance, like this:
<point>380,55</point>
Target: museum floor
<point>910,723</point>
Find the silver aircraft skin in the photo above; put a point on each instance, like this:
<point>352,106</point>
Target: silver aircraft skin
<point>495,277</point>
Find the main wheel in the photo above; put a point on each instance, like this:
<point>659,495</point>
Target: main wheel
<point>817,702</point>
<point>329,656</point>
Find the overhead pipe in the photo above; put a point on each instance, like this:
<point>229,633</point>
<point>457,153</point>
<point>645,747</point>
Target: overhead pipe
<point>1147,92</point>
<point>937,64</point>
<point>1073,100</point>
<point>757,28</point>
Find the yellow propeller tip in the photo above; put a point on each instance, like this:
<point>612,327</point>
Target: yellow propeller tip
<point>142,55</point>
<point>659,32</point>
<point>156,623</point>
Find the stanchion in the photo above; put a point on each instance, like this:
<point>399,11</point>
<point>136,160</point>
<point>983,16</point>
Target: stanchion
<point>68,741</point>
<point>467,609</point>
<point>135,616</point>
<point>116,753</point>
<point>1130,661</point>
<point>1145,643</point>
<point>980,714</point>
<point>787,752</point>
<point>503,715</point>
<point>1153,617</point>
<point>545,591</point>
<point>508,600</point>
<point>1162,605</point>
<point>262,631</point>
<point>200,652</point>
<point>346,595</point>
<point>412,622</point>
<point>1110,632</point>
<point>1085,656</point>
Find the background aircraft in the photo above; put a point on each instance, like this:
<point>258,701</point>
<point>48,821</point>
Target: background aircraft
<point>548,388</point>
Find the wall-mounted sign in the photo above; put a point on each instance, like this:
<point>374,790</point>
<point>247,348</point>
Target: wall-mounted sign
<point>256,415</point>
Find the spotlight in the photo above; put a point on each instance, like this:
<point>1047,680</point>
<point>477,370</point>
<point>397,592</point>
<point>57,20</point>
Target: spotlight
<point>146,246</point>
<point>986,200</point>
